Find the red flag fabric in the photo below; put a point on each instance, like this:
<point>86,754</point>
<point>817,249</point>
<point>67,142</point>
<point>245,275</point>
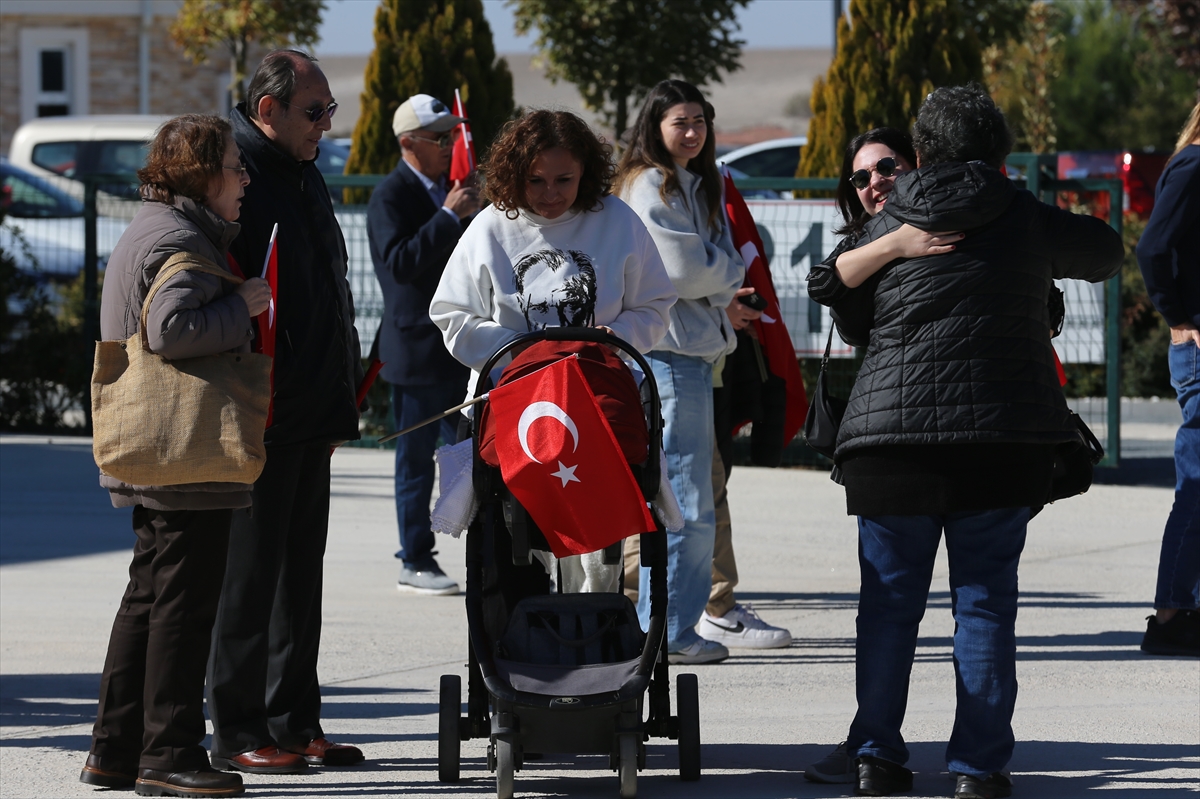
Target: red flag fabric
<point>562,462</point>
<point>463,165</point>
<point>772,333</point>
<point>265,341</point>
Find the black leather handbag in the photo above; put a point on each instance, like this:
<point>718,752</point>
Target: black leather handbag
<point>1073,462</point>
<point>825,411</point>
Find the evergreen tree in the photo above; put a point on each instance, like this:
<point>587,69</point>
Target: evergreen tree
<point>892,55</point>
<point>1020,74</point>
<point>428,47</point>
<point>1120,86</point>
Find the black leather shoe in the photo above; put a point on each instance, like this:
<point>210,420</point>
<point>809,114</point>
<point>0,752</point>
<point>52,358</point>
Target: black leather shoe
<point>878,777</point>
<point>994,786</point>
<point>107,773</point>
<point>204,782</point>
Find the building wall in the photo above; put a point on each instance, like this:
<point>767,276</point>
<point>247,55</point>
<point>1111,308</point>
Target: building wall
<point>176,85</point>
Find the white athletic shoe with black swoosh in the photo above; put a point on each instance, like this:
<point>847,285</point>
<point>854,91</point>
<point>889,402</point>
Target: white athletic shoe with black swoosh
<point>742,627</point>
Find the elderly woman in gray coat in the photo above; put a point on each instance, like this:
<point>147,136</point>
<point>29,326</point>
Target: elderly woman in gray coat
<point>150,725</point>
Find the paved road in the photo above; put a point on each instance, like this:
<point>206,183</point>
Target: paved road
<point>1094,717</point>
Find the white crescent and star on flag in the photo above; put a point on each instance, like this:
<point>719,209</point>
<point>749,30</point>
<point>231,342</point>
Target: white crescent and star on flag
<point>540,410</point>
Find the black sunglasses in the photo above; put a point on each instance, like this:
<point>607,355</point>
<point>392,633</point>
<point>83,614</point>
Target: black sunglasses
<point>315,115</point>
<point>886,167</point>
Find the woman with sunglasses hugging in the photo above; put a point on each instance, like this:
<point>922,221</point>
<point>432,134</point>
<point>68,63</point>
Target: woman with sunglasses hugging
<point>871,164</point>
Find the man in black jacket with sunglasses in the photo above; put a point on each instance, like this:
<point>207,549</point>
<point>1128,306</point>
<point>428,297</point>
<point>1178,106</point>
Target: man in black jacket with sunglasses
<point>263,695</point>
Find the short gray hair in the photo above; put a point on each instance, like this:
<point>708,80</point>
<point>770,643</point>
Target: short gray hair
<point>275,77</point>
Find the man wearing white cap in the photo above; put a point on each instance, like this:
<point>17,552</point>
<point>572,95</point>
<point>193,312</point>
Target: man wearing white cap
<point>414,220</point>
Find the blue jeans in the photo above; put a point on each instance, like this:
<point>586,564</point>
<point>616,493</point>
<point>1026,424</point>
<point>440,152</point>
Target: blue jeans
<point>895,555</point>
<point>685,387</point>
<point>414,462</point>
<point>1179,562</point>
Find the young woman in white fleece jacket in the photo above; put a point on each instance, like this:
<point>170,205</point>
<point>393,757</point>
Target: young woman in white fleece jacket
<point>669,177</point>
<point>554,249</point>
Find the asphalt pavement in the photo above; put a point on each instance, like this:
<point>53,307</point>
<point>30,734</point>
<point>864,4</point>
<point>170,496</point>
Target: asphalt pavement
<point>1094,717</point>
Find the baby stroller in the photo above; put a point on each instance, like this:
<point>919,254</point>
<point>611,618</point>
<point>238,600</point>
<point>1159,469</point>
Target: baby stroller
<point>561,673</point>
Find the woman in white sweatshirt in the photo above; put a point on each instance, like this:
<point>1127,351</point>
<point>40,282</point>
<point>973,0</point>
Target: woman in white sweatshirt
<point>554,248</point>
<point>669,177</point>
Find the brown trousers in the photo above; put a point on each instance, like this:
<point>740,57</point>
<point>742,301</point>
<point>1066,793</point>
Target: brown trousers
<point>724,567</point>
<point>151,712</point>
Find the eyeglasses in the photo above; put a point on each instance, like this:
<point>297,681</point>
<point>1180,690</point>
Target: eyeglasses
<point>443,141</point>
<point>886,167</point>
<point>240,169</point>
<point>315,115</point>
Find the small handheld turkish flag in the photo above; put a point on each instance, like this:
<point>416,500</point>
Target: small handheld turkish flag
<point>463,164</point>
<point>561,461</point>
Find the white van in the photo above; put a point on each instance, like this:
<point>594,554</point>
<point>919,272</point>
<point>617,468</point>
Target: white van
<point>84,145</point>
<point>64,149</point>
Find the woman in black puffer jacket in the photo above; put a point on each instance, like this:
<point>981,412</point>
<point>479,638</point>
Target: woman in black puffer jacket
<point>951,427</point>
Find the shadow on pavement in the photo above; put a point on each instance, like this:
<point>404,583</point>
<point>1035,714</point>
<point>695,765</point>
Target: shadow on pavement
<point>52,506</point>
<point>1152,472</point>
<point>764,600</point>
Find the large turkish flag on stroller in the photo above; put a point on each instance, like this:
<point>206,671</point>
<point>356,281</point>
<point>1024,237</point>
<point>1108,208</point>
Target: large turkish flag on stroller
<point>561,461</point>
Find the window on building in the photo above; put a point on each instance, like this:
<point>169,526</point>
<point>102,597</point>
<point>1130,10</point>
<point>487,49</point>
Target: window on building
<point>54,72</point>
<point>54,96</point>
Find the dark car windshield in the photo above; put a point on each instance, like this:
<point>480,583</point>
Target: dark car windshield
<point>28,197</point>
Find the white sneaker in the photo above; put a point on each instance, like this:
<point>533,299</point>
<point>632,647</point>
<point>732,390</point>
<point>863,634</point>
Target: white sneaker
<point>741,627</point>
<point>700,652</point>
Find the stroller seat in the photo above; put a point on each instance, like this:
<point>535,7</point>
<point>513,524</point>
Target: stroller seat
<point>571,644</point>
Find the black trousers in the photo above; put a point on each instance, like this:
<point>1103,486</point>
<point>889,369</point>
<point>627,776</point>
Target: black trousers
<point>151,712</point>
<point>262,673</point>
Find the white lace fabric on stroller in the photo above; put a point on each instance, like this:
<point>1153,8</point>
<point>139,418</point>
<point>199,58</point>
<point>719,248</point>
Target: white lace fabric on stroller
<point>457,504</point>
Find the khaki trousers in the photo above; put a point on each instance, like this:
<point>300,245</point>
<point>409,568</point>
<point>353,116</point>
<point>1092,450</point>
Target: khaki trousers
<point>724,567</point>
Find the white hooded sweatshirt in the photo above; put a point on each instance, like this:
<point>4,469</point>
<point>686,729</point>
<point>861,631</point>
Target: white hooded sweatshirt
<point>507,277</point>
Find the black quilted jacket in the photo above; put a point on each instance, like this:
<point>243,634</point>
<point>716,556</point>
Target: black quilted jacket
<point>959,344</point>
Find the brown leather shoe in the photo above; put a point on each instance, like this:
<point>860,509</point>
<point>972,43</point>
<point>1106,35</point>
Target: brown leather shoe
<point>107,773</point>
<point>202,782</point>
<point>324,752</point>
<point>268,760</point>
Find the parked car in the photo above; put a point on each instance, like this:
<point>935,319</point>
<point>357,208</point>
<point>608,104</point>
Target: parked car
<point>65,149</point>
<point>43,225</point>
<point>774,158</point>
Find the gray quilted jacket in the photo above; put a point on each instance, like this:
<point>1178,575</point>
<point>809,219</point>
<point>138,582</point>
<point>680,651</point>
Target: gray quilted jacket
<point>192,314</point>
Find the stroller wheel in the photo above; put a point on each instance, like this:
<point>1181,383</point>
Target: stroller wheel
<point>506,765</point>
<point>449,708</point>
<point>687,703</point>
<point>627,768</point>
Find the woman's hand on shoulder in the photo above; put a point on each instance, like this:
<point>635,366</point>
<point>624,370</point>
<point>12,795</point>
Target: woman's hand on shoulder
<point>911,242</point>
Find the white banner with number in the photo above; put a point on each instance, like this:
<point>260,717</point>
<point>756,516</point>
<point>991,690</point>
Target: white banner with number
<point>799,233</point>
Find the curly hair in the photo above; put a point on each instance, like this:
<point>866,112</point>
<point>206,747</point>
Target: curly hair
<point>187,153</point>
<point>961,123</point>
<point>522,140</point>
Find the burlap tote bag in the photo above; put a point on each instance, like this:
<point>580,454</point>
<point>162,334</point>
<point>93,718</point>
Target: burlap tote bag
<point>158,422</point>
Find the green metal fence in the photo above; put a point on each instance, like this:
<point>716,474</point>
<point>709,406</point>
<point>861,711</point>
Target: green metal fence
<point>792,249</point>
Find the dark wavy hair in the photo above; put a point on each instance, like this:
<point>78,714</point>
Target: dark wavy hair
<point>522,140</point>
<point>647,151</point>
<point>185,156</point>
<point>961,123</point>
<point>847,198</point>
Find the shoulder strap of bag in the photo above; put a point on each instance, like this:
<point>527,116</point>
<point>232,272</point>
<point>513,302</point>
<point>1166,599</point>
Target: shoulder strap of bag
<point>180,262</point>
<point>828,346</point>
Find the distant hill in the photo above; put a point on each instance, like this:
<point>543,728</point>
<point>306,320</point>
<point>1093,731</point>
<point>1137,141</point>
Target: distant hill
<point>765,99</point>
